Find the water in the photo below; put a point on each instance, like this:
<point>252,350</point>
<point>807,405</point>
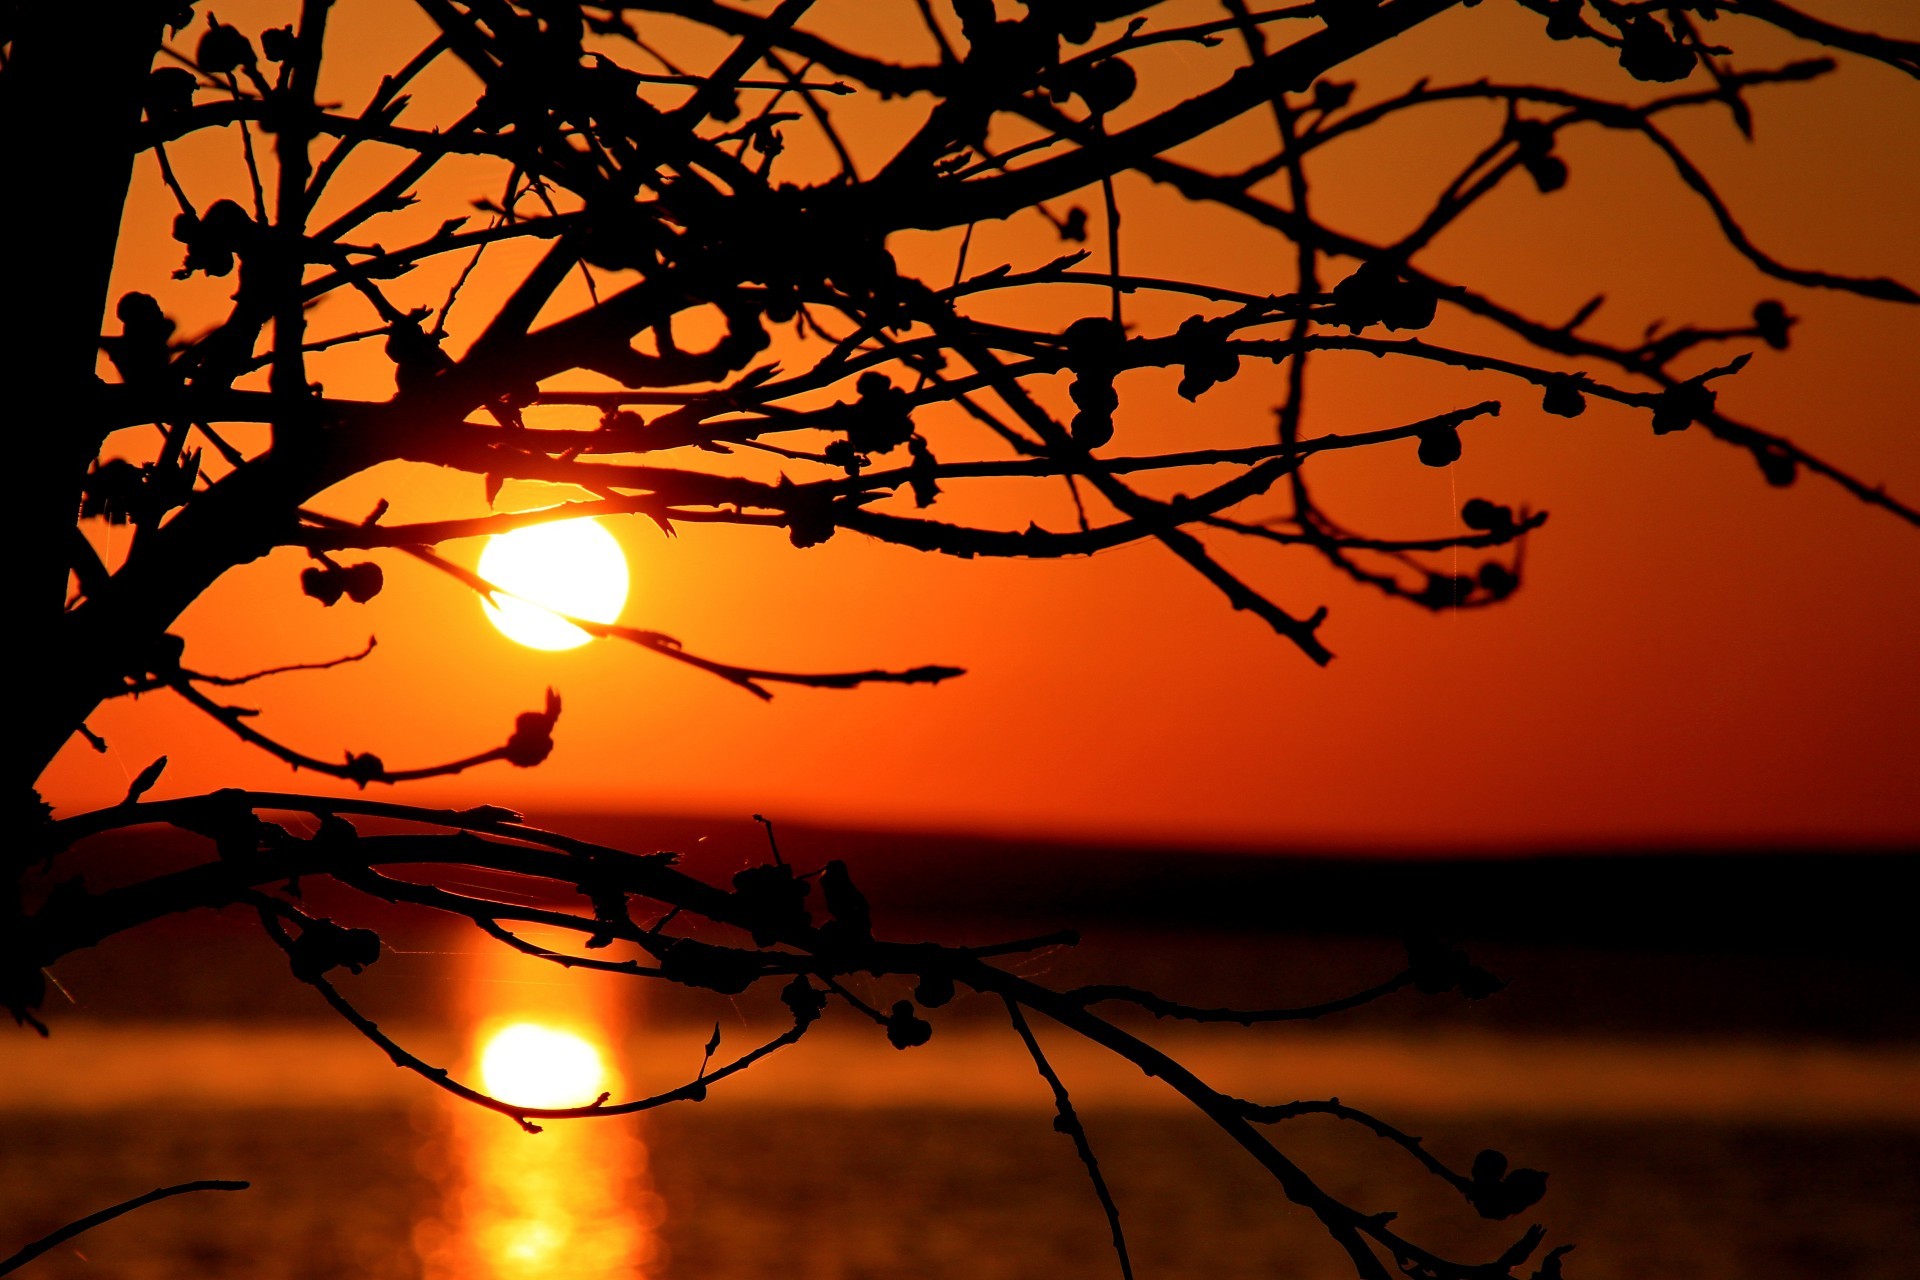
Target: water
<point>752,1192</point>
<point>1679,1147</point>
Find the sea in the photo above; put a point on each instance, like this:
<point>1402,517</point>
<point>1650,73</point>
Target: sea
<point>1703,1110</point>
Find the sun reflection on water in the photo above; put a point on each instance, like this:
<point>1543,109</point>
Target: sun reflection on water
<point>572,1202</point>
<point>541,1066</point>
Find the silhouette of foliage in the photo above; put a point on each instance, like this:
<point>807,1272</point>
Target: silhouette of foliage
<point>654,202</point>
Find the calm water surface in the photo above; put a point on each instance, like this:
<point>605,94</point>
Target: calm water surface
<point>745,1192</point>
<point>1711,1158</point>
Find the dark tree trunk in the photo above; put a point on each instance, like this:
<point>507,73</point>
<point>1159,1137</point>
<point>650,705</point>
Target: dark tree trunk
<point>69,104</point>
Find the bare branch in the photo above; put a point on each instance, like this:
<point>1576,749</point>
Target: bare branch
<point>27,1253</point>
<point>1068,1122</point>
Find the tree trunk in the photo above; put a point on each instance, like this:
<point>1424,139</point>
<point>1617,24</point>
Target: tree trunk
<point>69,103</point>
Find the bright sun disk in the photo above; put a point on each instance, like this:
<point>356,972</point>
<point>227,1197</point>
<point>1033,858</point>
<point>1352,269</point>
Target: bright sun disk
<point>535,1066</point>
<point>572,567</point>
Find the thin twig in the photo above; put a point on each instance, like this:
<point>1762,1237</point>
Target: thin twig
<point>27,1253</point>
<point>1067,1121</point>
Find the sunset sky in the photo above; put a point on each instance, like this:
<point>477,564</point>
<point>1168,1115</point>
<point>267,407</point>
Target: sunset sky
<point>1694,656</point>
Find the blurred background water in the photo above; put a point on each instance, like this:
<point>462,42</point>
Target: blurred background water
<point>757,1190</point>
<point>1733,1098</point>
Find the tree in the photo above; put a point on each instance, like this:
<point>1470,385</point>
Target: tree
<point>648,203</point>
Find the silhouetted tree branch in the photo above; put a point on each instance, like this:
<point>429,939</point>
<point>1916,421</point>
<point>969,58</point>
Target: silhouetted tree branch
<point>676,201</point>
<point>53,1239</point>
<point>771,936</point>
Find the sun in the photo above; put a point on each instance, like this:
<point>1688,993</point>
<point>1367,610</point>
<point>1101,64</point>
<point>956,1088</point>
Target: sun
<point>573,567</point>
<point>531,1065</point>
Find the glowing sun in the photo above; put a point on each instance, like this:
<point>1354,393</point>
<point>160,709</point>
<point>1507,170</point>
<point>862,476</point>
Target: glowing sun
<point>573,567</point>
<point>535,1066</point>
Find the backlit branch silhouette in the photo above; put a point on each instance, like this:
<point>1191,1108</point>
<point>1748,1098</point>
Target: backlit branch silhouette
<point>723,940</point>
<point>870,387</point>
<point>711,301</point>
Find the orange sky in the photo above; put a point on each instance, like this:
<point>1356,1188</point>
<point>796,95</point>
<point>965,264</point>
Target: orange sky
<point>1695,656</point>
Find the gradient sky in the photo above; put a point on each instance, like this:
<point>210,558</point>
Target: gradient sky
<point>1695,656</point>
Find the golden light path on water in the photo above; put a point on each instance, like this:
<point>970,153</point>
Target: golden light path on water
<point>572,1202</point>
